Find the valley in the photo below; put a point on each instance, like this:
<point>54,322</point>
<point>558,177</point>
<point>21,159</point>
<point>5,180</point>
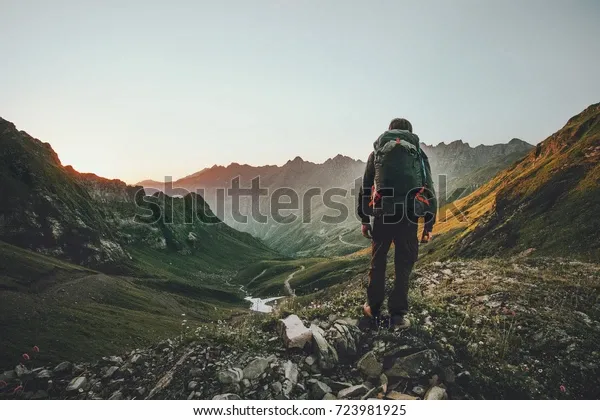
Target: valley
<point>146,295</point>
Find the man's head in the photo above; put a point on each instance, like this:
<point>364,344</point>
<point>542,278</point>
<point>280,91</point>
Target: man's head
<point>400,124</point>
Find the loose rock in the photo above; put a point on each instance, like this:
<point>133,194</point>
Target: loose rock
<point>293,332</point>
<point>369,366</point>
<point>227,397</point>
<point>256,367</point>
<point>78,383</point>
<point>415,365</point>
<point>318,389</point>
<point>395,395</point>
<point>353,391</point>
<point>231,376</point>
<point>436,393</point>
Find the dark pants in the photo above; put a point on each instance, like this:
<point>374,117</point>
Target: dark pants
<point>403,234</point>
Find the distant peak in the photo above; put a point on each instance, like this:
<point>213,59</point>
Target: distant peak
<point>296,160</point>
<point>340,159</point>
<point>517,141</point>
<point>457,143</point>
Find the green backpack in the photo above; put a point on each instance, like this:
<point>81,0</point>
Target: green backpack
<point>401,171</point>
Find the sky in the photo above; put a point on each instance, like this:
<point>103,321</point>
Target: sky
<point>148,89</point>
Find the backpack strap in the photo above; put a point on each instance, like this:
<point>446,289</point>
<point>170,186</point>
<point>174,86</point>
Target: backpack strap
<point>423,168</point>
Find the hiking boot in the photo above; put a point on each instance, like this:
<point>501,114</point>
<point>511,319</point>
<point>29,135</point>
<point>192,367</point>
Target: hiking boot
<point>399,322</point>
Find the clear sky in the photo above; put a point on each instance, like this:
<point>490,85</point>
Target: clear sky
<point>136,90</point>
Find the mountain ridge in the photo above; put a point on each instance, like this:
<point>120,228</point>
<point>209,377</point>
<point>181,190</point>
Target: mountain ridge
<point>547,200</point>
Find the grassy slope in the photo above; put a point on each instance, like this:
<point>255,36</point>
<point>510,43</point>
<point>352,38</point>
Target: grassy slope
<point>75,313</point>
<point>522,327</point>
<point>549,200</point>
<point>473,180</point>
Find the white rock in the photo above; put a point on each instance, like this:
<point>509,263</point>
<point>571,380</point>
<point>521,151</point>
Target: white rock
<point>293,332</point>
<point>227,397</point>
<point>436,393</point>
<point>291,371</point>
<point>78,383</point>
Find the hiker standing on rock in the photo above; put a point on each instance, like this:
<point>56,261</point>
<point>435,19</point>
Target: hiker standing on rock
<point>397,189</point>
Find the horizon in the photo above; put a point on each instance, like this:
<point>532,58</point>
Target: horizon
<point>279,165</point>
<point>142,91</point>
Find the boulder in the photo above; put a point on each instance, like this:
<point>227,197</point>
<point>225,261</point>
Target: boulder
<point>326,354</point>
<point>436,393</point>
<point>63,368</point>
<point>231,376</point>
<point>257,367</point>
<point>293,332</point>
<point>415,365</point>
<point>344,338</point>
<point>318,389</point>
<point>369,366</point>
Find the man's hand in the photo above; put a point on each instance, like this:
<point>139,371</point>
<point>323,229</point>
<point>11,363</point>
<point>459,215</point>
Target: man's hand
<point>367,230</point>
<point>425,237</point>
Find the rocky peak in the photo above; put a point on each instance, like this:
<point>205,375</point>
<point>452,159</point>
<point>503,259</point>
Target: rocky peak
<point>296,161</point>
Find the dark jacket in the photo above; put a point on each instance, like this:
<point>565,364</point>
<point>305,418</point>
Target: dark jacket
<point>364,211</point>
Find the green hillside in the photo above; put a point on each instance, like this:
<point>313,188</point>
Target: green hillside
<point>90,265</point>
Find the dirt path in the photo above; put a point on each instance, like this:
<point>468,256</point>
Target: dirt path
<point>349,244</point>
<point>288,288</point>
<point>256,277</point>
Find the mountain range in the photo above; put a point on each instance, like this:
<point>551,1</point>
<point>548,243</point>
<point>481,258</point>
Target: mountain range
<point>465,167</point>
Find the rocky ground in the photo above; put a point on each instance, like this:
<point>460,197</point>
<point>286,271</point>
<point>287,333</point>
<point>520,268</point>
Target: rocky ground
<point>524,328</point>
<point>293,359</point>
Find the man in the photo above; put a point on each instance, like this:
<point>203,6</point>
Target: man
<point>397,161</point>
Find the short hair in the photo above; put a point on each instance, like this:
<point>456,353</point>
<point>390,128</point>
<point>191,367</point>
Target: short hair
<point>400,124</point>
